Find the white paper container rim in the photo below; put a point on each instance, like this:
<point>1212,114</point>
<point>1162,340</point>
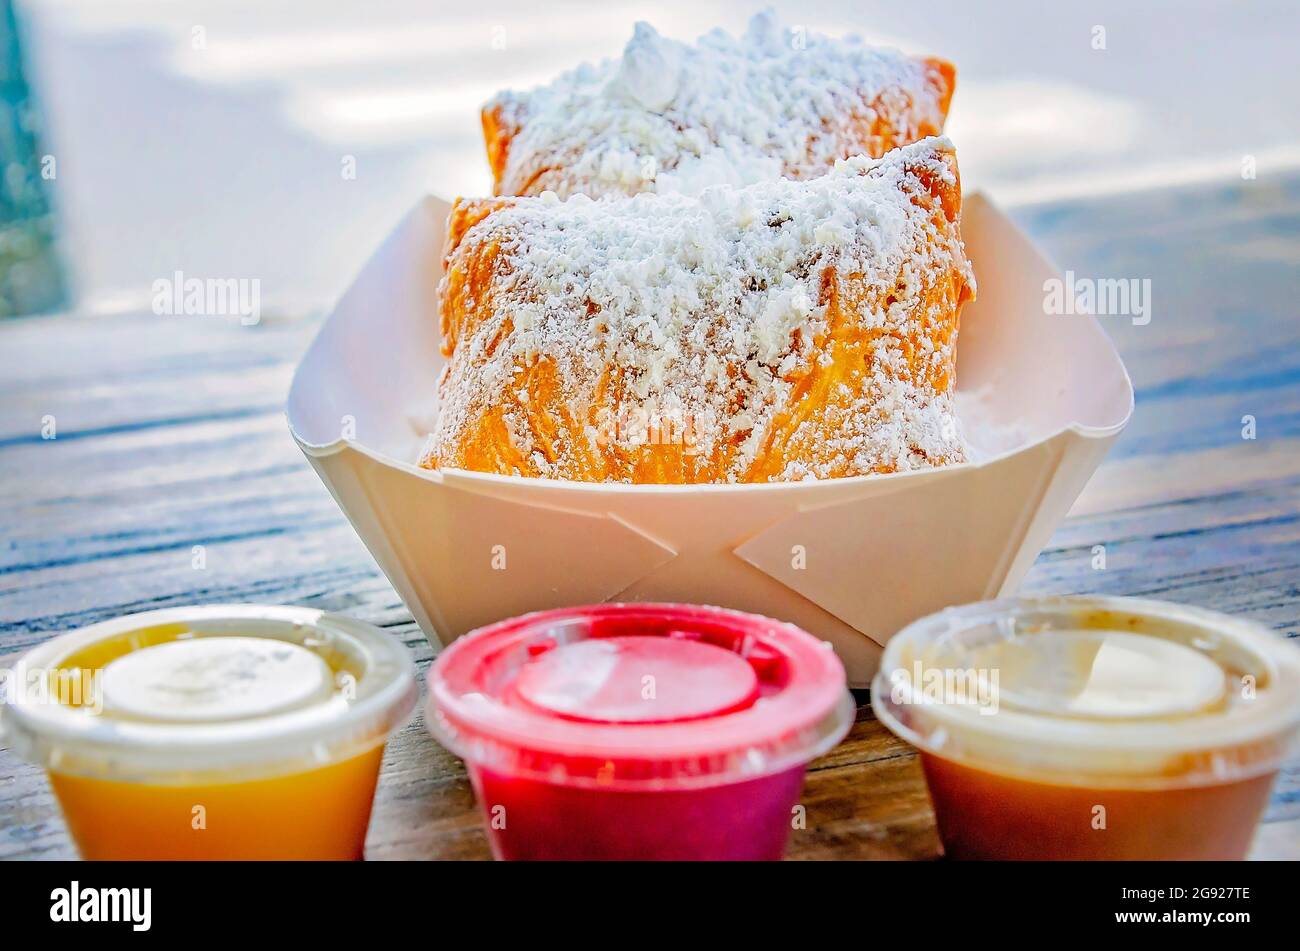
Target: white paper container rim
<point>64,740</point>
<point>1045,397</point>
<point>642,488</point>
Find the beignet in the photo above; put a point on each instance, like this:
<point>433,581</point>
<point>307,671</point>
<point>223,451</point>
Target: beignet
<point>783,331</point>
<point>669,117</point>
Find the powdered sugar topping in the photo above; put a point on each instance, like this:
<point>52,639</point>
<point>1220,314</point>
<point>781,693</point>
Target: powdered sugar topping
<point>709,306</point>
<point>670,117</point>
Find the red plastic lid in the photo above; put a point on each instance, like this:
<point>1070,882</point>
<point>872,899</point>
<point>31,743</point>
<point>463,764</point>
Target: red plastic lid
<point>662,695</point>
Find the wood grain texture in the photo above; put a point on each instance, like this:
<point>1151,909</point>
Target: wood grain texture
<point>170,435</point>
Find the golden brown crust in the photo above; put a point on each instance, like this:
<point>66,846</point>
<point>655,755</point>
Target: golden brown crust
<point>533,429</point>
<point>498,132</point>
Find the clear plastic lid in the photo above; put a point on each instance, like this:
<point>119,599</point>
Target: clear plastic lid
<point>639,696</point>
<point>1084,690</point>
<point>202,694</point>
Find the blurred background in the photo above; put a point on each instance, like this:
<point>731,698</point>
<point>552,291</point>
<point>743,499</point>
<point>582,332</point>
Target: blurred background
<point>141,137</point>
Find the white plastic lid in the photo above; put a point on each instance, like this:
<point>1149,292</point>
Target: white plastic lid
<point>192,694</point>
<point>1097,691</point>
<point>211,679</point>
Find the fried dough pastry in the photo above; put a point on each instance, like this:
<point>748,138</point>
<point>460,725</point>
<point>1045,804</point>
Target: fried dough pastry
<point>783,331</point>
<point>669,117</point>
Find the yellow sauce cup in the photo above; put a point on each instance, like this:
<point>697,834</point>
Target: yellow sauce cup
<point>223,732</point>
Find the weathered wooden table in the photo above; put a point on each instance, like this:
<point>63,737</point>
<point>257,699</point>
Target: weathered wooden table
<point>173,480</point>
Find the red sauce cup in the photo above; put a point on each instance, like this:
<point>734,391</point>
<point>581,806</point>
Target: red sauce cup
<point>638,731</point>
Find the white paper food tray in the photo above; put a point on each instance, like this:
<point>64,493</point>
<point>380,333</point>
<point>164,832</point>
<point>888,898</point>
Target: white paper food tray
<point>852,560</point>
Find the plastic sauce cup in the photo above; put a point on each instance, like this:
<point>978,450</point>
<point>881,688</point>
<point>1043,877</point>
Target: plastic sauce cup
<point>1092,728</point>
<point>225,732</point>
<point>638,731</point>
